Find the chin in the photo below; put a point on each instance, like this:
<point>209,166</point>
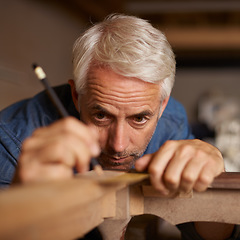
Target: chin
<point>116,165</point>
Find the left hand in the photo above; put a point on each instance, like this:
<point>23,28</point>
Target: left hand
<point>182,165</point>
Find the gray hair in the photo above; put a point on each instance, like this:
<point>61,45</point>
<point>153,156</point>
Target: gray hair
<point>129,46</point>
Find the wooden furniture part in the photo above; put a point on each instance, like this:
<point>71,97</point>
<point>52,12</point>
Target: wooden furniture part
<point>69,209</point>
<point>220,203</point>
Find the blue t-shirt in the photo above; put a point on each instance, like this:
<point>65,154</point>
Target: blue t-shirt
<point>19,120</point>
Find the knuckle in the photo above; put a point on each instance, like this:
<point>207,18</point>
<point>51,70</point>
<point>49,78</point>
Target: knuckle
<point>185,151</point>
<point>188,178</point>
<point>169,144</point>
<point>153,171</point>
<point>205,179</point>
<point>58,148</point>
<point>170,180</point>
<point>67,123</point>
<point>200,187</point>
<point>201,154</point>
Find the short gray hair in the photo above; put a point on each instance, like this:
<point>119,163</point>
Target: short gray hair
<point>128,45</point>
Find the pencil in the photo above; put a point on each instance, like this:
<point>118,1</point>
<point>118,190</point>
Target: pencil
<point>62,111</point>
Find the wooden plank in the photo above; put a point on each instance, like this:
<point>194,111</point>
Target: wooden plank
<point>136,200</point>
<point>122,204</point>
<point>227,180</point>
<point>150,191</point>
<point>109,205</point>
<point>214,205</point>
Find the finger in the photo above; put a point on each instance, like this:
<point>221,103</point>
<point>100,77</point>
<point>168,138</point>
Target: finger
<point>36,172</point>
<point>70,126</point>
<point>69,151</point>
<point>205,178</point>
<point>158,165</point>
<point>190,174</point>
<point>142,163</point>
<point>173,172</point>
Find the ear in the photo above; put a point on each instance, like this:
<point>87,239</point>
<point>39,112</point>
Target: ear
<point>164,104</point>
<point>74,93</point>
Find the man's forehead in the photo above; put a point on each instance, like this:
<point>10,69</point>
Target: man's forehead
<point>138,111</point>
<point>107,78</point>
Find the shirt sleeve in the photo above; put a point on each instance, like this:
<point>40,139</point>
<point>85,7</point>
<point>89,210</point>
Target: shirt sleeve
<point>8,150</point>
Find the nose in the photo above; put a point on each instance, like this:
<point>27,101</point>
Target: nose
<point>119,137</point>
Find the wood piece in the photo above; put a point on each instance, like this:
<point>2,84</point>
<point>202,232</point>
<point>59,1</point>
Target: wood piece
<point>127,178</point>
<point>150,191</point>
<point>227,180</point>
<point>58,210</point>
<point>136,200</point>
<point>109,205</point>
<point>53,210</point>
<point>214,205</point>
<point>122,206</point>
<point>114,229</point>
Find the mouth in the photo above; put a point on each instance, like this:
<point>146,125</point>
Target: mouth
<point>120,160</point>
<point>114,161</point>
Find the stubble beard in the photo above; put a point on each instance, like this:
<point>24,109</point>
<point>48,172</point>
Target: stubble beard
<point>107,162</point>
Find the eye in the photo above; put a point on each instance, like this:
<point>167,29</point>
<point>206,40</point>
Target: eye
<point>100,115</point>
<point>101,119</point>
<point>140,120</point>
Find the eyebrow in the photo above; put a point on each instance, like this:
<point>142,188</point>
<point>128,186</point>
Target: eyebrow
<point>100,108</point>
<point>142,113</point>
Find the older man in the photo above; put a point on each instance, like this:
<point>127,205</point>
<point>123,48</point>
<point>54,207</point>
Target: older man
<point>124,71</point>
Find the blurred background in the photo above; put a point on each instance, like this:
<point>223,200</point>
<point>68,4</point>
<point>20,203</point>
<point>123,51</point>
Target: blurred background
<point>205,36</point>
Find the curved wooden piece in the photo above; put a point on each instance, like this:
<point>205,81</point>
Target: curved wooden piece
<point>69,209</point>
<point>53,210</point>
<point>213,205</point>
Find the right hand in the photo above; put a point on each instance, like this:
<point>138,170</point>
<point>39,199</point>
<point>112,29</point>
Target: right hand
<point>52,152</point>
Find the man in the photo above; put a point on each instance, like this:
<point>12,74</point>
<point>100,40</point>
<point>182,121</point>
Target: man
<point>124,71</point>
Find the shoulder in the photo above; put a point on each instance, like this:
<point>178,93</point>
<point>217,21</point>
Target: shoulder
<point>174,112</point>
<point>174,122</point>
<point>19,120</point>
<point>173,125</point>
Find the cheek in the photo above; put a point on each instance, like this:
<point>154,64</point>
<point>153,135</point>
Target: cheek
<point>144,136</point>
<point>140,138</point>
<point>103,136</point>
